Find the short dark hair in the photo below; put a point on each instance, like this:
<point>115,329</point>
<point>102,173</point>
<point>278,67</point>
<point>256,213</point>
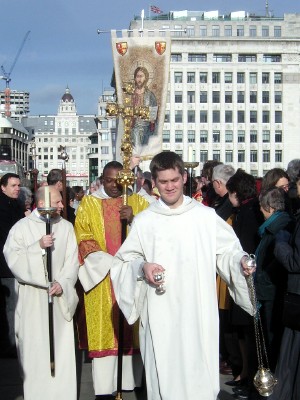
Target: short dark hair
<point>77,189</point>
<point>242,184</point>
<point>6,177</point>
<point>272,177</point>
<point>54,176</point>
<point>166,160</point>
<point>112,164</point>
<point>144,71</point>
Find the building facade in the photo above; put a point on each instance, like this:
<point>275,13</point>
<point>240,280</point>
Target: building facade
<point>234,88</point>
<point>19,104</point>
<point>66,129</point>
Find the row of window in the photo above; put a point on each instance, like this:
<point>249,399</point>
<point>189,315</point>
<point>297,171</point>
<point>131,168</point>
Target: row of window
<point>226,30</point>
<point>227,57</point>
<point>229,77</point>
<point>228,96</point>
<point>242,136</point>
<point>227,116</point>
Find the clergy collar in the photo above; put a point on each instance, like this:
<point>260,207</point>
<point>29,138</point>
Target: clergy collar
<point>185,201</point>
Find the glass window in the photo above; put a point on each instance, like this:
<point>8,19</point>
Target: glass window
<point>222,57</point>
<point>228,136</point>
<point>240,30</point>
<point>253,78</point>
<point>191,97</point>
<point>241,97</point>
<point>203,30</point>
<point>178,116</point>
<point>228,30</point>
<point>241,116</point>
<point>277,77</point>
<point>278,117</point>
<point>228,156</point>
<point>215,96</point>
<point>178,97</point>
<point>166,137</point>
<point>253,96</point>
<point>271,58</point>
<point>278,97</point>
<point>253,136</point>
<point>265,31</point>
<point>190,30</point>
<point>215,30</point>
<point>203,116</point>
<point>191,136</point>
<point>176,57</point>
<point>178,77</point>
<point>203,136</point>
<point>191,77</point>
<point>240,77</point>
<point>247,58</point>
<point>278,155</point>
<point>252,31</point>
<point>203,77</point>
<point>228,77</point>
<point>241,155</point>
<point>266,96</point>
<point>266,136</point>
<point>228,116</point>
<point>178,136</point>
<point>277,31</point>
<point>253,155</point>
<point>253,116</point>
<point>228,97</point>
<point>266,117</point>
<point>266,156</point>
<point>265,77</point>
<point>191,116</point>
<point>216,77</point>
<point>216,155</point>
<point>167,116</point>
<point>194,57</point>
<point>278,136</point>
<point>216,116</point>
<point>177,30</point>
<point>241,137</point>
<point>203,96</point>
<point>203,156</point>
<point>216,137</point>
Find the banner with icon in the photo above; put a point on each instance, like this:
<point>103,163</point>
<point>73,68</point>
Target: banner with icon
<point>142,63</point>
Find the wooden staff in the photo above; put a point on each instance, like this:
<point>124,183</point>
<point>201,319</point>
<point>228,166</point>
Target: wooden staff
<point>64,156</point>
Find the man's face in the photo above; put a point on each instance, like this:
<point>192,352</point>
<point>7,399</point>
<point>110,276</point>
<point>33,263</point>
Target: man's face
<point>12,189</point>
<point>170,186</point>
<point>298,187</point>
<point>56,200</point>
<point>234,200</point>
<point>112,189</point>
<point>140,79</point>
<point>80,195</point>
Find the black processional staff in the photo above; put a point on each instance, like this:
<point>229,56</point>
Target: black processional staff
<point>47,211</point>
<point>64,157</point>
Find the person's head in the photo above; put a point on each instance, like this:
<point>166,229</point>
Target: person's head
<point>10,185</point>
<point>169,177</point>
<point>55,198</point>
<point>141,77</point>
<point>221,174</point>
<point>93,187</point>
<point>207,170</point>
<point>70,196</point>
<point>298,183</point>
<point>54,178</point>
<point>110,171</point>
<point>271,200</point>
<point>147,186</point>
<point>200,183</point>
<point>293,169</point>
<point>241,186</point>
<point>25,196</point>
<point>139,179</point>
<point>276,177</point>
<point>79,193</point>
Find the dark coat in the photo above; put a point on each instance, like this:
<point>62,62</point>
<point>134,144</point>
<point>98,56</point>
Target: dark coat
<point>289,256</point>
<point>10,212</point>
<point>223,207</point>
<point>270,276</point>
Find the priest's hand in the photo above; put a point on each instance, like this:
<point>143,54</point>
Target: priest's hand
<point>149,270</point>
<point>46,241</point>
<point>126,213</point>
<point>55,289</point>
<point>246,269</point>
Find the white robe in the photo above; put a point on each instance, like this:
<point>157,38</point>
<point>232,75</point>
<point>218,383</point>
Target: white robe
<point>179,330</point>
<point>24,257</point>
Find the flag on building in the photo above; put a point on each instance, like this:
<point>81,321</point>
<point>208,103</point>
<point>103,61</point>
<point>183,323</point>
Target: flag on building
<point>155,10</point>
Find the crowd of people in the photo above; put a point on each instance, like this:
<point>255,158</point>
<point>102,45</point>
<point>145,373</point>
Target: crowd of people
<point>190,238</point>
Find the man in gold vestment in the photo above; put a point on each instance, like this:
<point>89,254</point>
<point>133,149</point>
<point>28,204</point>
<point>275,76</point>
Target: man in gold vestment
<point>98,228</point>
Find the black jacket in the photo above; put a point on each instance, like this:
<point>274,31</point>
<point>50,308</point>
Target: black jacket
<point>10,212</point>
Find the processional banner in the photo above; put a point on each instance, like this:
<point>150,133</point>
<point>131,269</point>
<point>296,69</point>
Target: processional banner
<point>143,61</point>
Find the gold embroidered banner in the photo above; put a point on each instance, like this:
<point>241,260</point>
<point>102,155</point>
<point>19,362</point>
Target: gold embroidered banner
<point>144,62</point>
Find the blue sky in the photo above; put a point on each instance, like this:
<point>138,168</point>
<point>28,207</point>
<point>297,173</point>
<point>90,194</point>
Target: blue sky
<point>64,48</point>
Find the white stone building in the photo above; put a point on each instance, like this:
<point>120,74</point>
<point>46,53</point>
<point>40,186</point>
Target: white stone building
<point>234,88</point>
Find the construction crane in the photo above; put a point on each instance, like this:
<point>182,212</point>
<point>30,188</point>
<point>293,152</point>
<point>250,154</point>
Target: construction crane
<point>7,78</point>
